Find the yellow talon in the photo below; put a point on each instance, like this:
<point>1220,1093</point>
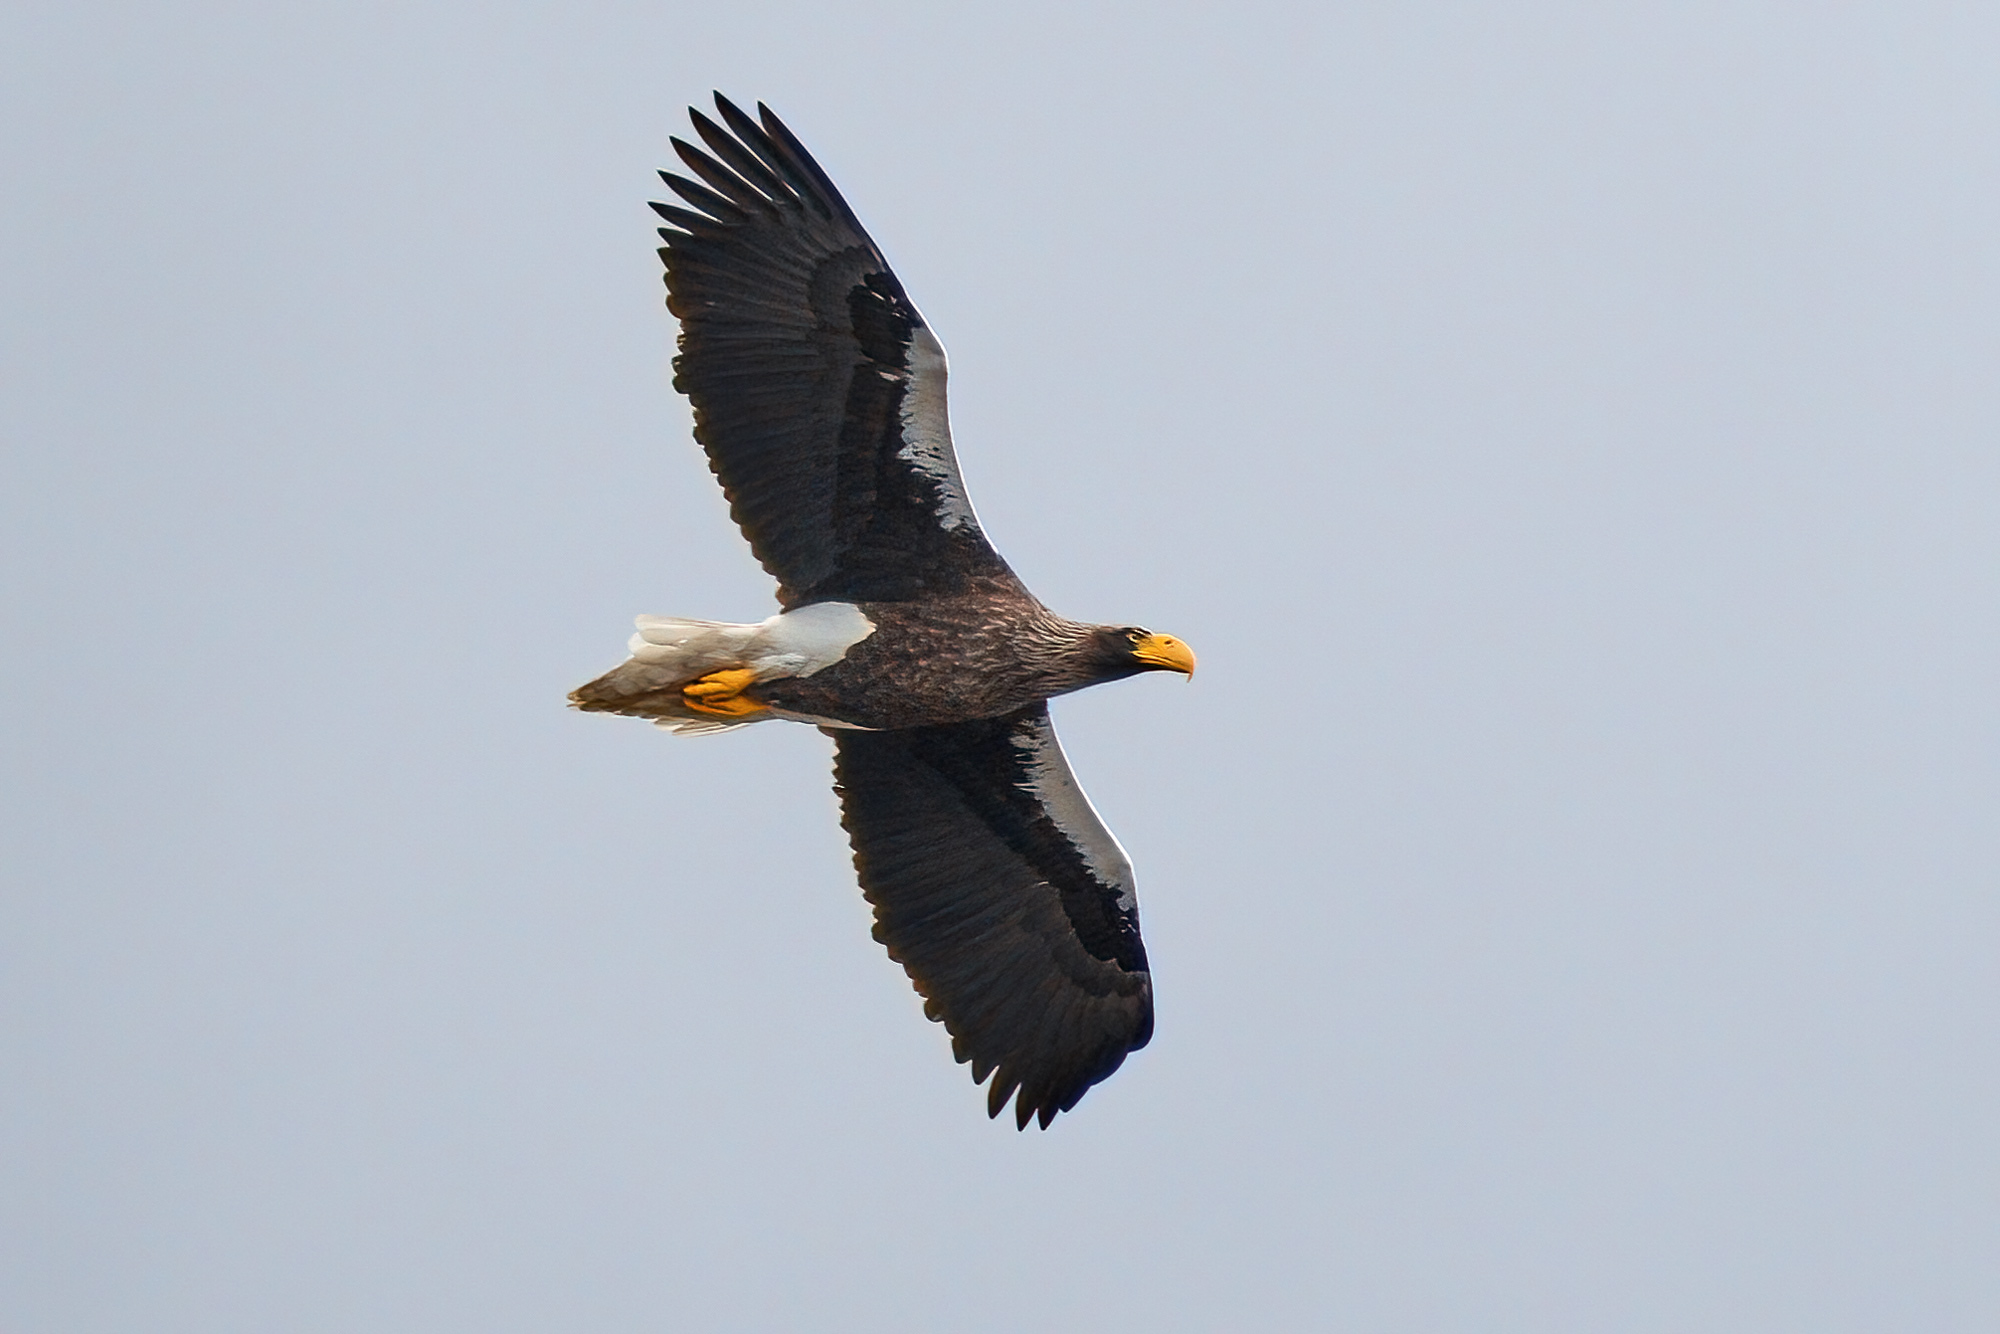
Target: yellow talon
<point>721,693</point>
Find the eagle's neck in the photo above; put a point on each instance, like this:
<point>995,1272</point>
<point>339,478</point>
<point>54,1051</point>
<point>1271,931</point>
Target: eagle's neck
<point>1068,655</point>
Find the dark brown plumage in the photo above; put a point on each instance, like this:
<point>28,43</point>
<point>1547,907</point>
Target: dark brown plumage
<point>819,396</point>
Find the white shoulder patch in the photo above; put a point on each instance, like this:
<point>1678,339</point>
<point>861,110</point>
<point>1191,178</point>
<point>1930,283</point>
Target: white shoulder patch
<point>927,429</point>
<point>807,640</point>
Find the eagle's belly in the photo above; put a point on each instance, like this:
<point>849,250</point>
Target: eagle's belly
<point>925,664</point>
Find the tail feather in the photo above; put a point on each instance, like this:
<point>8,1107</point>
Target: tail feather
<point>667,653</point>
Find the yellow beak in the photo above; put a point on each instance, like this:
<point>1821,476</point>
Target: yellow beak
<point>1165,651</point>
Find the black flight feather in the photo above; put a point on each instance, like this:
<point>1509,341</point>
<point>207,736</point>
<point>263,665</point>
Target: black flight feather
<point>979,890</point>
<point>797,352</point>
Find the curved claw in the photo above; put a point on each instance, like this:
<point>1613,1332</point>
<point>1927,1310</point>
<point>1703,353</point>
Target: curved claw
<point>721,693</point>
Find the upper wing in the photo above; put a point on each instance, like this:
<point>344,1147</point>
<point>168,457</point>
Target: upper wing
<point>818,392</point>
<point>1005,898</point>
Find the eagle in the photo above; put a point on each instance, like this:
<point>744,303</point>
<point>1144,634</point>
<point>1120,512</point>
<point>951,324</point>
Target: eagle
<point>819,396</point>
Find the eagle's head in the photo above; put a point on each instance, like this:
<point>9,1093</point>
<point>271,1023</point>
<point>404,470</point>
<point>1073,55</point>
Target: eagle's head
<point>1119,651</point>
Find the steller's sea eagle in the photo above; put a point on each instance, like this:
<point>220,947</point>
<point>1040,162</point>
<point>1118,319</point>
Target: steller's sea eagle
<point>819,395</point>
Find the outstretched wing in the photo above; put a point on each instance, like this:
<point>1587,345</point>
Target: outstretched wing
<point>1006,900</point>
<point>818,391</point>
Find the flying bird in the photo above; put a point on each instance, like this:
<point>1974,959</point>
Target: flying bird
<point>819,396</point>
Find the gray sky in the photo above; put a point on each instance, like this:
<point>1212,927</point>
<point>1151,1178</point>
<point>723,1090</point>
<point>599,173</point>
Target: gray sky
<point>1565,431</point>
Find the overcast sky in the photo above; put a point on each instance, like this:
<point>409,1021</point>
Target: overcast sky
<point>1567,433</point>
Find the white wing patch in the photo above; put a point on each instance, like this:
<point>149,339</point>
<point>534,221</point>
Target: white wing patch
<point>927,429</point>
<point>1052,783</point>
<point>807,640</point>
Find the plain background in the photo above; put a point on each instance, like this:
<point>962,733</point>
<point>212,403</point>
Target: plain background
<point>1566,432</point>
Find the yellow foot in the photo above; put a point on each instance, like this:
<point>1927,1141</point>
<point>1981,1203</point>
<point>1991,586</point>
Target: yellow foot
<point>721,694</point>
